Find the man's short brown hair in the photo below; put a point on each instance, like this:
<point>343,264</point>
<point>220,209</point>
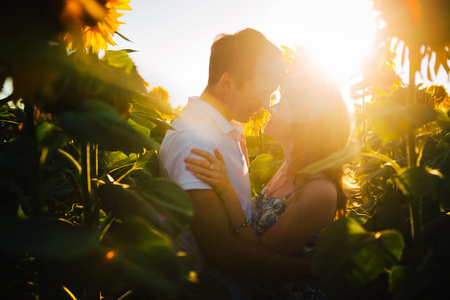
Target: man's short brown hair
<point>241,53</point>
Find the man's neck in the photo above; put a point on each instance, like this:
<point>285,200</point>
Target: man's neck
<point>209,97</point>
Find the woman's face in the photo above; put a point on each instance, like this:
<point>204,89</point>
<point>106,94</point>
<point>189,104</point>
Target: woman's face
<point>281,121</point>
<point>304,100</point>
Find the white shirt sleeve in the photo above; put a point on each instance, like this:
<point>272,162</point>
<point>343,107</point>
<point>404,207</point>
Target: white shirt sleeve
<point>173,152</point>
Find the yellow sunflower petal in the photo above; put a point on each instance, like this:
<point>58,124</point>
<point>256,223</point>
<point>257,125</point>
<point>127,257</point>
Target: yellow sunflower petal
<point>95,37</point>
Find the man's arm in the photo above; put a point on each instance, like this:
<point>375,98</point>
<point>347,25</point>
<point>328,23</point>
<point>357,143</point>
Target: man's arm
<point>226,252</point>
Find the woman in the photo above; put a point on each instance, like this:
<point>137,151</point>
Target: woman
<point>310,122</point>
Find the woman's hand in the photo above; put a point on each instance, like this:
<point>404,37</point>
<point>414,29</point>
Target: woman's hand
<point>211,170</point>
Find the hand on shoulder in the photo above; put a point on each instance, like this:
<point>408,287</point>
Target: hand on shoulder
<point>211,170</point>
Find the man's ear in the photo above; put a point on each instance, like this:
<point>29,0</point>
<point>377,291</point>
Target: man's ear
<point>227,82</point>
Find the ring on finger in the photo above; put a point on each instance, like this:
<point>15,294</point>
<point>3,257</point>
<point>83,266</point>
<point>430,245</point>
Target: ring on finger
<point>211,167</point>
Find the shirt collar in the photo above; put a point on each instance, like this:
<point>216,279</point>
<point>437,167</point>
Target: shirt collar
<point>233,127</point>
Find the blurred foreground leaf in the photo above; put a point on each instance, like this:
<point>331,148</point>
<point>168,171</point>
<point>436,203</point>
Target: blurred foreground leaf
<point>429,281</point>
<point>160,201</point>
<point>335,160</point>
<point>98,123</point>
<point>143,258</point>
<point>57,240</point>
<point>348,256</point>
<point>171,201</point>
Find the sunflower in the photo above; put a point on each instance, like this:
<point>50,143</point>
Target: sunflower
<point>423,26</point>
<point>98,20</point>
<point>257,122</point>
<point>161,93</point>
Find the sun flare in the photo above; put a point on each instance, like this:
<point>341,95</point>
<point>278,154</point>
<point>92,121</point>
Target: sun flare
<point>337,34</point>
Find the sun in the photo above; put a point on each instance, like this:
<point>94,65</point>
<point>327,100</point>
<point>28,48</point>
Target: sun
<point>337,34</point>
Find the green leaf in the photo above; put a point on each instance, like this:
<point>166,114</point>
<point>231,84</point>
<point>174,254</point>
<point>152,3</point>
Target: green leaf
<point>115,70</point>
<point>145,110</point>
<point>170,200</point>
<point>391,119</point>
<point>348,256</point>
<point>53,138</point>
<point>429,280</point>
<point>442,119</point>
<point>98,123</point>
<point>143,258</point>
<point>382,157</point>
<point>262,169</point>
<point>138,234</point>
<point>418,181</point>
<point>335,160</point>
<point>145,132</point>
<point>143,160</point>
<point>120,59</point>
<point>400,279</point>
<point>160,201</point>
<point>57,240</point>
<point>153,102</point>
<point>144,121</point>
<point>126,203</point>
<point>114,159</point>
<point>148,121</point>
<point>392,211</point>
<point>139,164</point>
<point>42,130</point>
<point>382,78</point>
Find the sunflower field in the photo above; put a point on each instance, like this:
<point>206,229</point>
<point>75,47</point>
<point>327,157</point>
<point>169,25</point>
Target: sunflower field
<point>86,215</point>
<point>394,241</point>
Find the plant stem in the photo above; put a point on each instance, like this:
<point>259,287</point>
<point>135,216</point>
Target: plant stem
<point>415,202</point>
<point>261,141</point>
<point>90,220</point>
<point>414,62</point>
<point>415,212</point>
<point>363,113</point>
<point>86,183</point>
<point>37,200</point>
<point>105,226</point>
<point>95,199</point>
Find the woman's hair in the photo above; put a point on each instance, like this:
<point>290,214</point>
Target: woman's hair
<point>323,127</point>
<point>241,54</point>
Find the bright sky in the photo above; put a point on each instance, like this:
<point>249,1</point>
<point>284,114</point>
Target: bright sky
<point>174,37</point>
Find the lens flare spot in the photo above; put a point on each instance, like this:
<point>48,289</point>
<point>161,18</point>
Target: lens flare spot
<point>192,276</point>
<point>110,255</point>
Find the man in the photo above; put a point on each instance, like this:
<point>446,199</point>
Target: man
<point>244,70</point>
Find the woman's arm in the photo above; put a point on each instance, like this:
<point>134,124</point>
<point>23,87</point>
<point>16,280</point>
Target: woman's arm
<point>218,179</point>
<point>312,208</point>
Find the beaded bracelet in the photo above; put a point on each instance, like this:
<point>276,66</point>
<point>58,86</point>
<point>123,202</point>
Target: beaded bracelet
<point>237,228</point>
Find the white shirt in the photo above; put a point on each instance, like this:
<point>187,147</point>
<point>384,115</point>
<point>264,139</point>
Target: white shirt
<point>202,126</point>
